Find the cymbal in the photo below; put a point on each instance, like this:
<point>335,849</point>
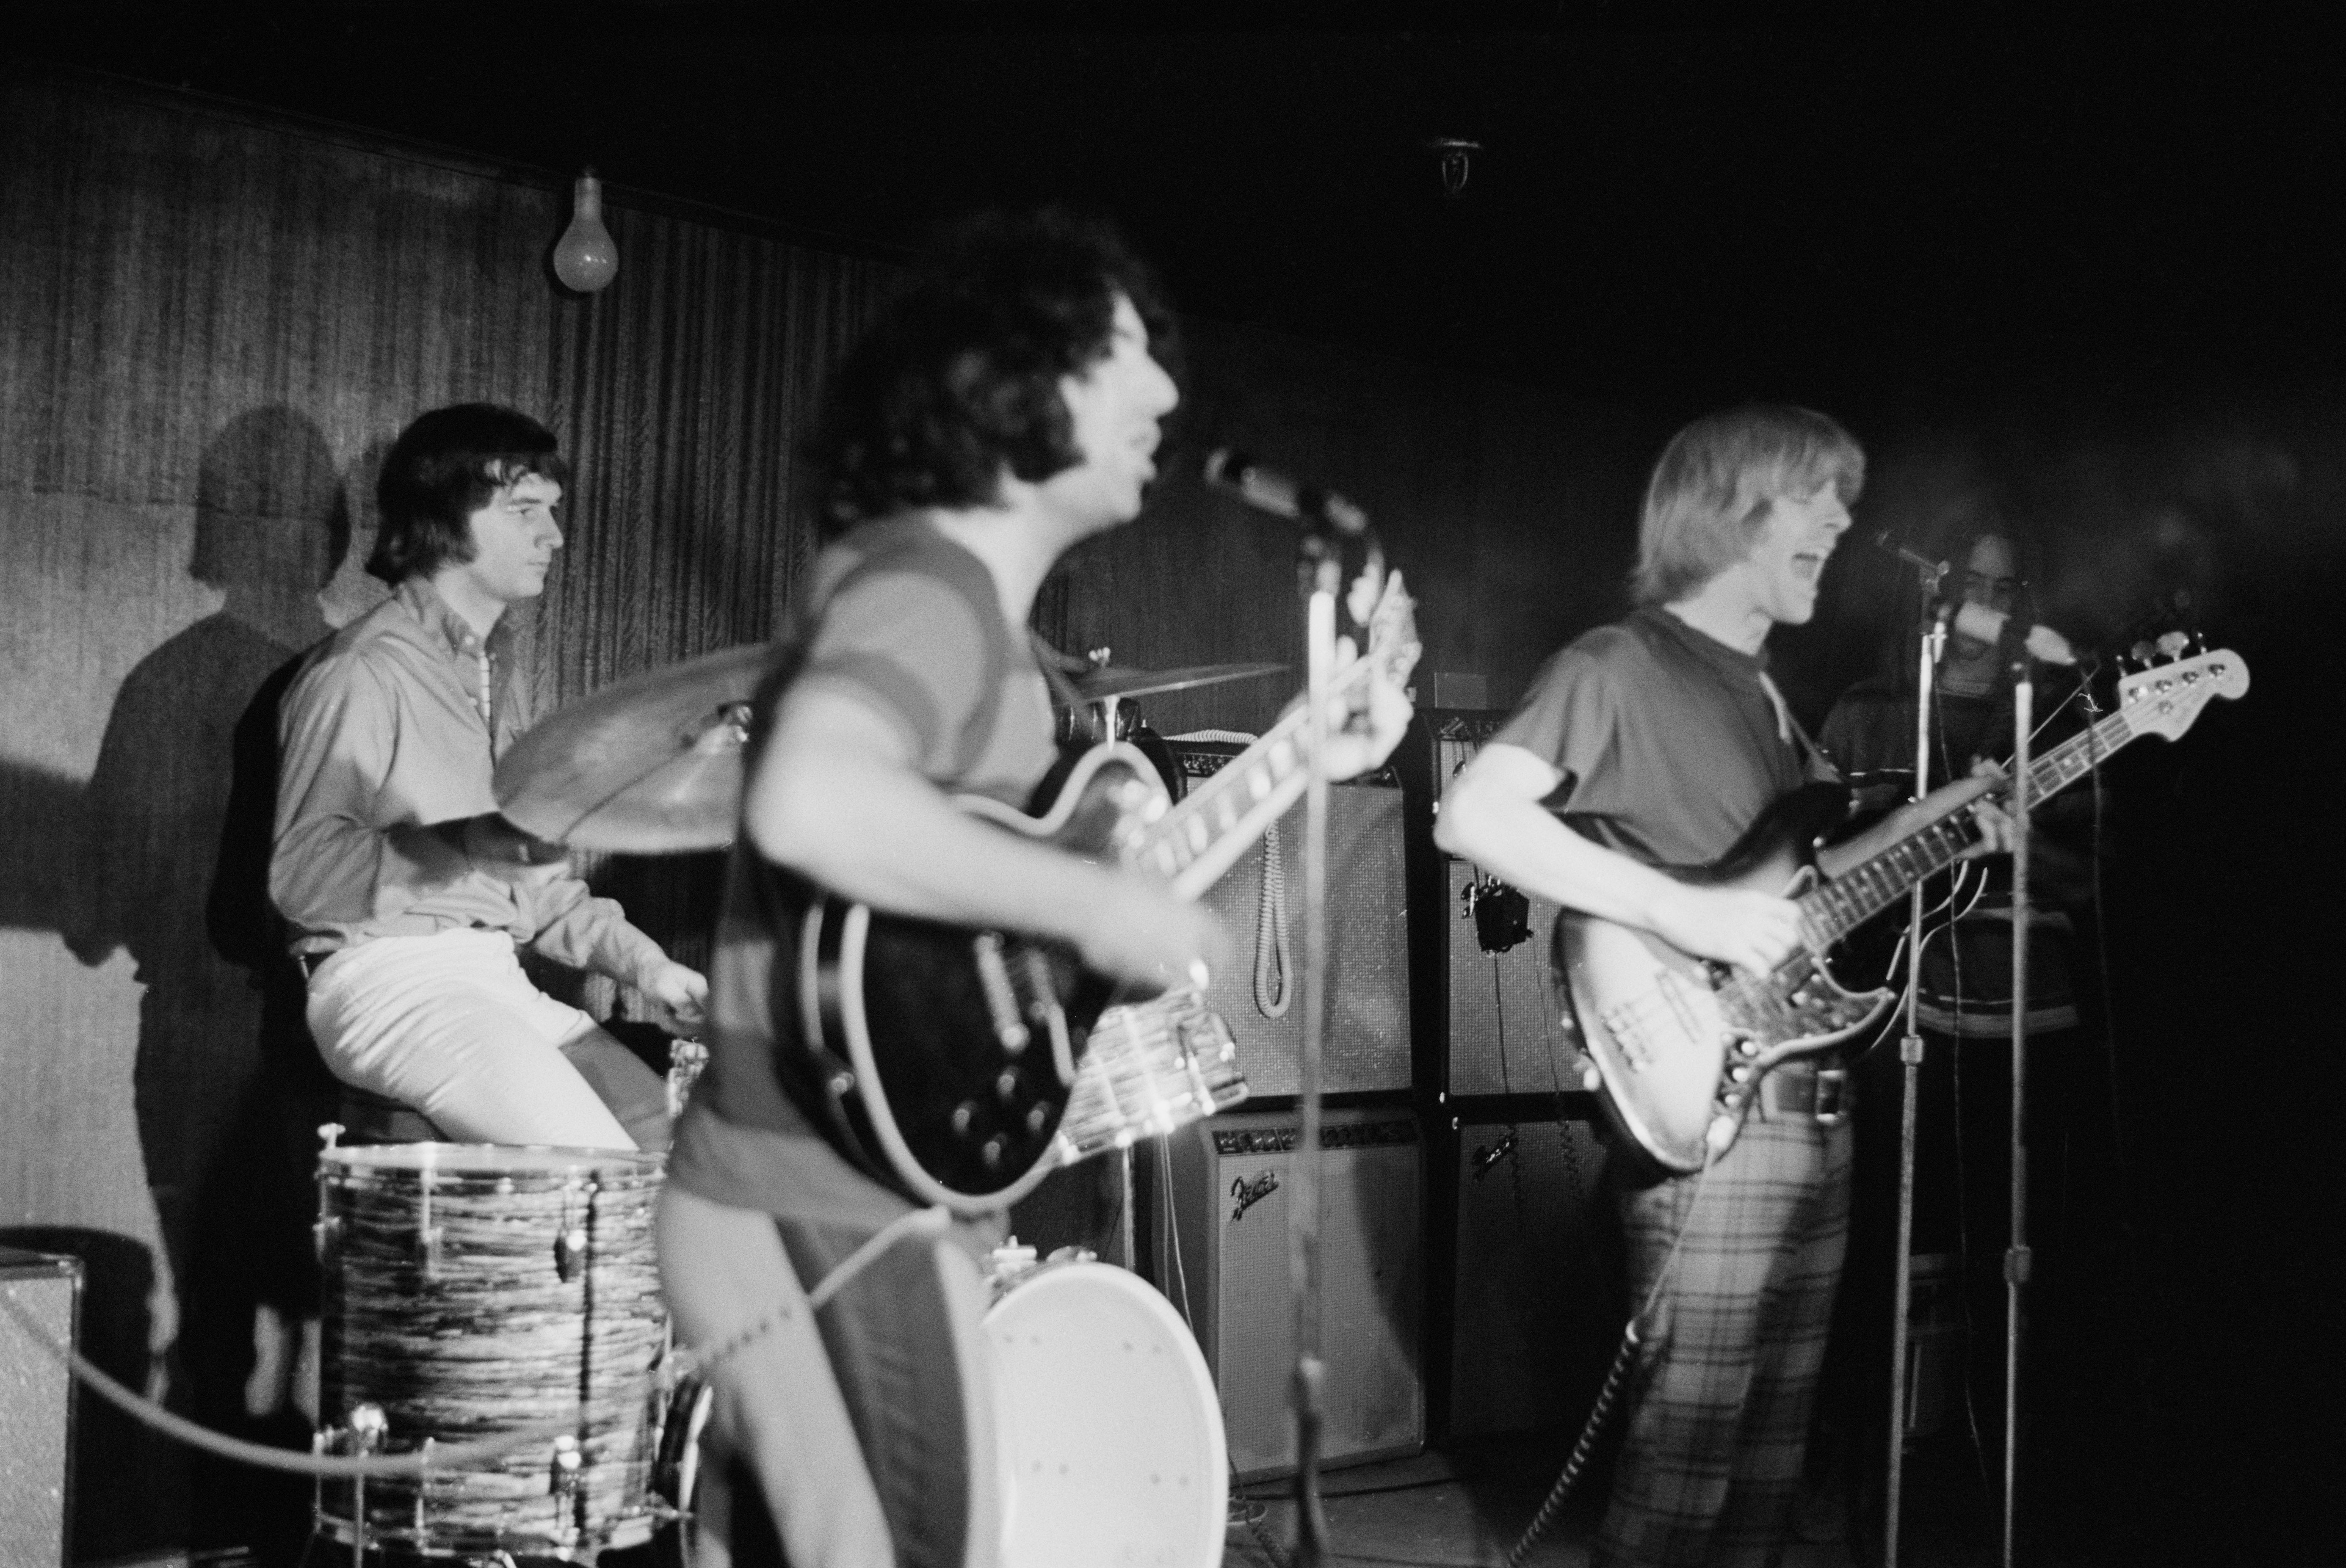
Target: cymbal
<point>1111,680</point>
<point>650,765</point>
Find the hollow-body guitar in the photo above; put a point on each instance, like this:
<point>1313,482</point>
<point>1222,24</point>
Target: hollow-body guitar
<point>940,1058</point>
<point>1681,1044</point>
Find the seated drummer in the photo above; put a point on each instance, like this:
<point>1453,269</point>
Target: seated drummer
<point>407,895</point>
<point>1006,407</point>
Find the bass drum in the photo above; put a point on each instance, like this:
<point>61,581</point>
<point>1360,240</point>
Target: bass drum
<point>1111,1437</point>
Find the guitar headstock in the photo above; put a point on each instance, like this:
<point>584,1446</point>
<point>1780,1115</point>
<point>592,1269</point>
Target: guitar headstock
<point>1378,602</point>
<point>2166,699</point>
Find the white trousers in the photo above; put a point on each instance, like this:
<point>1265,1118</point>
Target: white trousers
<point>449,1024</point>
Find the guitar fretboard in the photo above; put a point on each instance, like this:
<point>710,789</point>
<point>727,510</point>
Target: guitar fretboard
<point>1831,912</point>
<point>1199,839</point>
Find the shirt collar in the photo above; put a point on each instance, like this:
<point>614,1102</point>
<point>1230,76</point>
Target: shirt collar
<point>432,612</point>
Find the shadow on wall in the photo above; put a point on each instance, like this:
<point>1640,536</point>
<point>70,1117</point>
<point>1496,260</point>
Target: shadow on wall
<point>173,866</point>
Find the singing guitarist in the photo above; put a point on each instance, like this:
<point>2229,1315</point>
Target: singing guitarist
<point>1654,742</point>
<point>1007,406</point>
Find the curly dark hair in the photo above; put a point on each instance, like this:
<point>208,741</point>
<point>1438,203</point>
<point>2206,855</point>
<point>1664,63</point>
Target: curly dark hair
<point>960,377</point>
<point>443,468</point>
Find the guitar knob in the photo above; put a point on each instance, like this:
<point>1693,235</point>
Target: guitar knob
<point>1007,1085</point>
<point>1037,1115</point>
<point>963,1115</point>
<point>1591,1079</point>
<point>992,1151</point>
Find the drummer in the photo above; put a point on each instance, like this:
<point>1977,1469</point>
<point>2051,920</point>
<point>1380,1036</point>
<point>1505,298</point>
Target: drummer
<point>407,895</point>
<point>1007,406</point>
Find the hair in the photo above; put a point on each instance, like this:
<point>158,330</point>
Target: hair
<point>1713,484</point>
<point>444,467</point>
<point>959,380</point>
<point>2027,553</point>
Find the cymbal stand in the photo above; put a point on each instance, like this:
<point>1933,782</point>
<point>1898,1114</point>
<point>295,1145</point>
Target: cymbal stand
<point>2017,1258</point>
<point>1933,644</point>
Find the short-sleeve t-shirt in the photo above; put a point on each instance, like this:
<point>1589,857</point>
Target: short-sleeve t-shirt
<point>903,620</point>
<point>1670,741</point>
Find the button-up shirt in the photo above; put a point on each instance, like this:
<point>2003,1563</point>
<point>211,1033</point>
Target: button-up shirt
<point>392,727</point>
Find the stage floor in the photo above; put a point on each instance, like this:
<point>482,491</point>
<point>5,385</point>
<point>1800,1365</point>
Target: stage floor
<point>1466,1507</point>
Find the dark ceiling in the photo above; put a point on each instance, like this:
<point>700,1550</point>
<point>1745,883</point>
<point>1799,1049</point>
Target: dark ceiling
<point>1817,205</point>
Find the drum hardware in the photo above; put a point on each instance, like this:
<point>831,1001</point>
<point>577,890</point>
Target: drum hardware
<point>686,1061</point>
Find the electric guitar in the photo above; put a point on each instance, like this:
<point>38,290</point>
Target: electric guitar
<point>1681,1044</point>
<point>939,1058</point>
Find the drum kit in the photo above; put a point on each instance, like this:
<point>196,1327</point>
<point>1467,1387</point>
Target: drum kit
<point>480,1291</point>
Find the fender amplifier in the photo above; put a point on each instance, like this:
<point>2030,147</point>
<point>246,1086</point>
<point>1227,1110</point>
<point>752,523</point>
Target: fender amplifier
<point>1260,903</point>
<point>1220,1240</point>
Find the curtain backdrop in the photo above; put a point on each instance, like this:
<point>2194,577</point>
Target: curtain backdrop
<point>207,326</point>
<point>685,393</point>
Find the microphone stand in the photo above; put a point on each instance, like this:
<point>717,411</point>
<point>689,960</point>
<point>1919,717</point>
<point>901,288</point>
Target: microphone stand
<point>1933,644</point>
<point>2017,1258</point>
<point>1320,575</point>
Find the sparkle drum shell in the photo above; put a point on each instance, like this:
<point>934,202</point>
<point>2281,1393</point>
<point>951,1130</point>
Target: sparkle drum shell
<point>1111,1436</point>
<point>476,1291</point>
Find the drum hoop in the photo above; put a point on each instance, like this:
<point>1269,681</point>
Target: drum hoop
<point>450,1165</point>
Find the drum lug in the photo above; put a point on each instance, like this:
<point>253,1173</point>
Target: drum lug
<point>326,1237</point>
<point>569,1475</point>
<point>429,1239</point>
<point>570,1253</point>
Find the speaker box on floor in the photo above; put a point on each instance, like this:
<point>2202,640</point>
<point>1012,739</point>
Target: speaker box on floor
<point>1368,1043</point>
<point>1525,1308</point>
<point>36,1407</point>
<point>1220,1231</point>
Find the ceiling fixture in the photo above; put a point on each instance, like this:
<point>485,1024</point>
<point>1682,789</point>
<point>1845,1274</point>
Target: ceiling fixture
<point>1454,154</point>
<point>586,257</point>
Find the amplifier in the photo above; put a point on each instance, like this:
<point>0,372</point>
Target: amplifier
<point>1260,899</point>
<point>1491,1016</point>
<point>36,1407</point>
<point>1220,1234</point>
<point>1525,1299</point>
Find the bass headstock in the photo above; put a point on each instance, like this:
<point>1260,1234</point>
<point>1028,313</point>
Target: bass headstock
<point>2166,699</point>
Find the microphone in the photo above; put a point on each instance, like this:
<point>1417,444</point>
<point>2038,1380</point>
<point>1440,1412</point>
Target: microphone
<point>1268,490</point>
<point>1983,625</point>
<point>1883,541</point>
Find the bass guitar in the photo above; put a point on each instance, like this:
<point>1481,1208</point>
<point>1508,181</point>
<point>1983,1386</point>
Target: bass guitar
<point>940,1058</point>
<point>1681,1044</point>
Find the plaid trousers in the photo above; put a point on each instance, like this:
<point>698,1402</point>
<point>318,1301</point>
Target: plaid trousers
<point>1719,1413</point>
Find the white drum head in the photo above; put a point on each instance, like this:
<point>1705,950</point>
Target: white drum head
<point>1110,1431</point>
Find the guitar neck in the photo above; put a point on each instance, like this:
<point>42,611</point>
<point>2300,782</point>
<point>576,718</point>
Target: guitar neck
<point>1832,911</point>
<point>1198,840</point>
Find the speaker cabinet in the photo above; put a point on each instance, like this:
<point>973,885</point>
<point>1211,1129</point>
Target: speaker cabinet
<point>1488,1020</point>
<point>1525,1307</point>
<point>36,1409</point>
<point>1368,1044</point>
<point>1220,1235</point>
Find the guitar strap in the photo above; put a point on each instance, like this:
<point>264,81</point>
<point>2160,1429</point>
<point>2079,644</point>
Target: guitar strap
<point>1814,760</point>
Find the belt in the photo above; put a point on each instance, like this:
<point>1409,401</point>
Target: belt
<point>1821,1093</point>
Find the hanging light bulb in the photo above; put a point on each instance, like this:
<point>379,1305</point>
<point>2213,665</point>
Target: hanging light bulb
<point>586,258</point>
